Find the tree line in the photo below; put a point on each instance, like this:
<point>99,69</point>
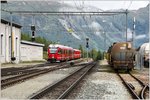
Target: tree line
<point>94,54</point>
<point>38,39</point>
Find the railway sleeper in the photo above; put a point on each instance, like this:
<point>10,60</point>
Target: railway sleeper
<point>131,86</point>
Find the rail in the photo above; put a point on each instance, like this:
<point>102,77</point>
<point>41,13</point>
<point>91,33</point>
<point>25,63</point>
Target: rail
<point>55,87</point>
<point>131,88</point>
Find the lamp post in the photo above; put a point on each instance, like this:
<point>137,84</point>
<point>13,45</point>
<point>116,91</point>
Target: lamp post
<point>33,29</point>
<point>87,46</point>
<point>13,58</point>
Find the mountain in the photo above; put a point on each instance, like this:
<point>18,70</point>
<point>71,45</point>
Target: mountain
<point>73,30</point>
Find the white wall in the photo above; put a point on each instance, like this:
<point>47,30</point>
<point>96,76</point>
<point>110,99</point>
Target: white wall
<point>2,42</point>
<point>17,43</point>
<point>5,43</point>
<point>31,52</point>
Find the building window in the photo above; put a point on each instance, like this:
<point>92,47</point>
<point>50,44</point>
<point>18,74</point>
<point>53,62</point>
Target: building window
<point>16,45</point>
<point>1,44</point>
<point>9,45</point>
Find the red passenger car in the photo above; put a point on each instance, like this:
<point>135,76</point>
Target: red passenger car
<point>77,54</point>
<point>62,53</point>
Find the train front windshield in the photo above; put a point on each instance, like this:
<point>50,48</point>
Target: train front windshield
<point>53,50</point>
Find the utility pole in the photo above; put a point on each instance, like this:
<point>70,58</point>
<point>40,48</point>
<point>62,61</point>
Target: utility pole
<point>133,32</point>
<point>83,53</point>
<point>104,34</point>
<point>87,46</point>
<point>105,40</point>
<point>33,29</point>
<point>126,24</point>
<point>12,40</point>
<point>126,32</point>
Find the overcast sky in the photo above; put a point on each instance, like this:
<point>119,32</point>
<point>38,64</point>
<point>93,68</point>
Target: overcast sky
<point>103,4</point>
<point>107,5</point>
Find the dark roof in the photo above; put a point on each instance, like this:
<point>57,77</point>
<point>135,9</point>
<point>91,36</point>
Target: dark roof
<point>3,1</point>
<point>32,43</point>
<point>13,24</point>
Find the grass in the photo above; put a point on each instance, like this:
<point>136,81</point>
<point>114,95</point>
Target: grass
<point>36,61</point>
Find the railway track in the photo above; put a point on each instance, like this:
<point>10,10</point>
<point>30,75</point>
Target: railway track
<point>16,71</point>
<point>30,74</point>
<point>137,91</point>
<point>61,88</point>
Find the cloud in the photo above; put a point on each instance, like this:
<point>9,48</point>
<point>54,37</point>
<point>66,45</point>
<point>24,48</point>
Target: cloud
<point>109,5</point>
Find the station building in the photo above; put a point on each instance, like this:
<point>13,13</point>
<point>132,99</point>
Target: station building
<point>5,41</point>
<point>22,50</point>
<point>31,51</point>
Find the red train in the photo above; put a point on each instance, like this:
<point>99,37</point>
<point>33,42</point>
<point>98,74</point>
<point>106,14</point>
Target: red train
<point>57,53</point>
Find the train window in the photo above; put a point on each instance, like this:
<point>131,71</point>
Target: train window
<point>63,51</point>
<point>9,45</point>
<point>69,52</point>
<point>60,51</point>
<point>16,46</point>
<point>1,44</point>
<point>53,50</point>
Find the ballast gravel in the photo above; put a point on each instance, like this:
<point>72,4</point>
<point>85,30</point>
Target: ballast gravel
<point>27,88</point>
<point>101,83</point>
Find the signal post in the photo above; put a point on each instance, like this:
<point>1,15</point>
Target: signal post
<point>87,46</point>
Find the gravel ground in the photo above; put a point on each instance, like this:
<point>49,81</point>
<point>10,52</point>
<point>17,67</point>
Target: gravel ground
<point>101,83</point>
<point>25,89</point>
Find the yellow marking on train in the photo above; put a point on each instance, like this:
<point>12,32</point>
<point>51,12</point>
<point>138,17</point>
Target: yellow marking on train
<point>124,45</point>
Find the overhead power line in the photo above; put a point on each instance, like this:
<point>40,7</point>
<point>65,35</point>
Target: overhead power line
<point>69,13</point>
<point>130,4</point>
